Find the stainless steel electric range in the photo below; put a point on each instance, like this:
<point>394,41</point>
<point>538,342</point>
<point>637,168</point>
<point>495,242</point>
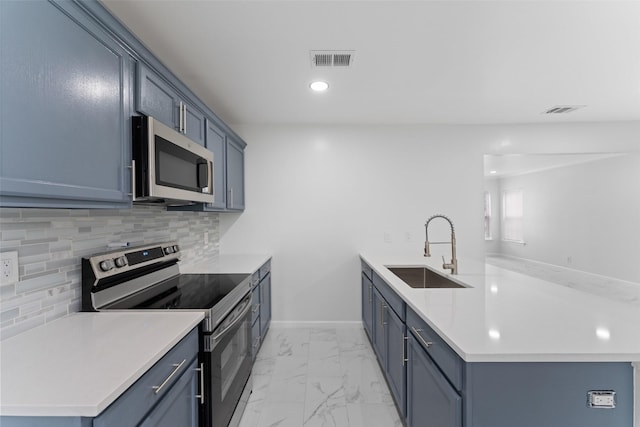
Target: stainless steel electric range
<point>148,278</point>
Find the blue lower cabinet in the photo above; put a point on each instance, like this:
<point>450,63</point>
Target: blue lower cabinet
<point>178,407</point>
<point>256,338</point>
<point>171,383</point>
<point>431,400</point>
<point>265,304</point>
<point>395,358</point>
<point>261,310</point>
<point>367,305</point>
<point>378,325</point>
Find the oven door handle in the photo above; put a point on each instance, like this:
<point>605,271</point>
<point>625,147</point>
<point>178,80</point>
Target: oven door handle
<point>237,320</point>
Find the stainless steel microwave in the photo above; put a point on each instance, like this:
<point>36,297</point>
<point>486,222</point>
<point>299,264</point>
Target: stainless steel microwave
<point>167,166</point>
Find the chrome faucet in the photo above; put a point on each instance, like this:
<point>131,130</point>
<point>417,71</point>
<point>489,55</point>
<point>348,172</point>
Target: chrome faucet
<point>453,265</point>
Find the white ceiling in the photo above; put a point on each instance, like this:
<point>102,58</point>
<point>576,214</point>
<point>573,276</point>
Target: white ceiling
<point>454,62</point>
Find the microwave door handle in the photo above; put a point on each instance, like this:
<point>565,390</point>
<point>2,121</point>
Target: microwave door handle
<point>211,189</point>
<point>203,175</point>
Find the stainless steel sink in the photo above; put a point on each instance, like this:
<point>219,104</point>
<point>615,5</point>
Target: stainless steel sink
<point>421,277</point>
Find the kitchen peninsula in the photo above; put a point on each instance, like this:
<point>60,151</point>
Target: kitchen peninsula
<point>505,349</point>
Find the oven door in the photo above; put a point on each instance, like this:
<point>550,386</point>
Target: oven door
<point>227,359</point>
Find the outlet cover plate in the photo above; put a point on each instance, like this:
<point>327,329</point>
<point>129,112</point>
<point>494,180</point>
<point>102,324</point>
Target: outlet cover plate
<point>9,267</point>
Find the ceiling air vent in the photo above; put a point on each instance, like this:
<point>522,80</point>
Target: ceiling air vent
<point>332,58</point>
<point>563,109</point>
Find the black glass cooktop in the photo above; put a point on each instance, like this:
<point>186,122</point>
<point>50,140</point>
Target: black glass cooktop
<point>185,291</point>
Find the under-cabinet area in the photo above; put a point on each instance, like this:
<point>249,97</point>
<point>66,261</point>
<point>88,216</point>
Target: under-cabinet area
<point>480,375</point>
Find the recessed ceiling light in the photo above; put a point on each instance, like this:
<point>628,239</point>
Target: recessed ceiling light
<point>493,172</point>
<point>319,86</point>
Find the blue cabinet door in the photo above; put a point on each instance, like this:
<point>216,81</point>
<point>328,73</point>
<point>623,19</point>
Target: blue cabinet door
<point>217,143</point>
<point>431,401</point>
<point>235,175</point>
<point>157,98</point>
<point>265,304</point>
<point>179,407</point>
<point>379,306</point>
<point>193,123</point>
<point>367,306</point>
<point>65,108</point>
<point>395,358</point>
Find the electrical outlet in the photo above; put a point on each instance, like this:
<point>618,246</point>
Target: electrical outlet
<point>9,266</point>
<point>601,399</point>
<point>387,237</point>
<point>408,237</point>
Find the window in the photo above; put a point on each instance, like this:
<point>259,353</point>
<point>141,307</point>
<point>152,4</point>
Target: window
<point>487,215</point>
<point>512,212</point>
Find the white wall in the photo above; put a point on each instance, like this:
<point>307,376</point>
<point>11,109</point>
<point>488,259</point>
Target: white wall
<point>583,216</point>
<point>318,195</point>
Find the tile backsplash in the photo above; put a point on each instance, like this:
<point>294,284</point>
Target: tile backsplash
<point>51,242</point>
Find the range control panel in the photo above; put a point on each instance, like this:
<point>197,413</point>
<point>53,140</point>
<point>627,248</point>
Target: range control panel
<point>125,260</point>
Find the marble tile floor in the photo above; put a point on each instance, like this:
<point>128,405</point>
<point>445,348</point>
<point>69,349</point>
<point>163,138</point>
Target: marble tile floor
<point>318,377</point>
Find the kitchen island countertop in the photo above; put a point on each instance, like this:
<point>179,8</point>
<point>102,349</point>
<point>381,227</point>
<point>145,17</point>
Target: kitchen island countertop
<point>504,316</point>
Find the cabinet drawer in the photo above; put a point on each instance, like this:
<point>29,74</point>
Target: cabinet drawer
<point>393,299</point>
<point>445,358</point>
<point>265,269</point>
<point>136,402</point>
<point>367,270</point>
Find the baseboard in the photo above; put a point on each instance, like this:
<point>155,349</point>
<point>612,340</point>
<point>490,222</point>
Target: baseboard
<point>287,324</point>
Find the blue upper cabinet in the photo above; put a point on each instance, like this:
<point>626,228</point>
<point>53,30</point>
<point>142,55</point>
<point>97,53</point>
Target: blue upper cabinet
<point>228,171</point>
<point>71,77</point>
<point>217,142</point>
<point>65,108</point>
<point>156,97</point>
<point>235,175</point>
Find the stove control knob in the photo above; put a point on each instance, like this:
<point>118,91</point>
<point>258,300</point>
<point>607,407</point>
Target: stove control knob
<point>168,250</point>
<point>176,248</point>
<point>120,261</point>
<point>106,265</point>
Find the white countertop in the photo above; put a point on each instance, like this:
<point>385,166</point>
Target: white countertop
<point>78,365</point>
<point>227,264</point>
<point>506,316</point>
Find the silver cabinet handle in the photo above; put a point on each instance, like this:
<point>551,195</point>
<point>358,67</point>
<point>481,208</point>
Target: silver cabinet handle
<point>427,344</point>
<point>382,309</point>
<point>184,118</point>
<point>201,395</point>
<point>133,180</point>
<point>370,292</point>
<point>255,308</point>
<point>404,345</point>
<point>231,197</point>
<point>177,366</point>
